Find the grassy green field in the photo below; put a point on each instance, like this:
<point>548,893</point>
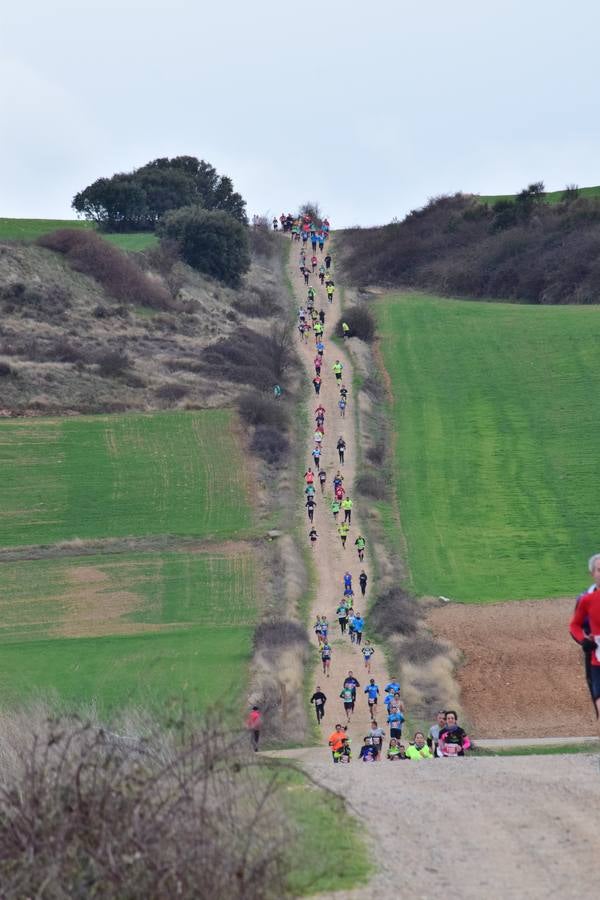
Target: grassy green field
<point>549,196</point>
<point>31,229</point>
<point>127,629</point>
<point>495,459</point>
<point>117,476</point>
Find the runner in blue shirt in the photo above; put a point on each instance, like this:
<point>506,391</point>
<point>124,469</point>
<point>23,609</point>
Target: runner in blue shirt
<point>372,692</point>
<point>393,687</point>
<point>347,579</point>
<point>359,624</point>
<point>395,721</point>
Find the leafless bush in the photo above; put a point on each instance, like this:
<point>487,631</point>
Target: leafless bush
<point>112,362</point>
<point>85,812</point>
<point>421,648</point>
<point>278,633</point>
<point>262,409</point>
<point>247,357</point>
<point>172,391</point>
<point>269,443</point>
<point>36,300</point>
<point>395,612</point>
<point>370,484</point>
<point>91,254</point>
<point>258,302</point>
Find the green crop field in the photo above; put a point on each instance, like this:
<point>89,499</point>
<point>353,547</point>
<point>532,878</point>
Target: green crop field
<point>549,196</point>
<point>31,229</point>
<point>116,630</point>
<point>124,628</point>
<point>118,476</point>
<point>496,436</point>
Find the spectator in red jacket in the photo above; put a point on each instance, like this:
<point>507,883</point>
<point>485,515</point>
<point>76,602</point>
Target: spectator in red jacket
<point>585,628</point>
<point>253,724</point>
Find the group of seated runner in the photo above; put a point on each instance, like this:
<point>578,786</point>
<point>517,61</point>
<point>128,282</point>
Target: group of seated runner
<point>446,738</point>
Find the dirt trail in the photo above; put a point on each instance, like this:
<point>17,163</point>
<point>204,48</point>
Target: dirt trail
<point>331,560</point>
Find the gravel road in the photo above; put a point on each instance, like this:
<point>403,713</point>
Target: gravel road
<point>520,828</point>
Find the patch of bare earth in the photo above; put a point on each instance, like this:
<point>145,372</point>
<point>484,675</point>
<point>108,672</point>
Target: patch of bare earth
<point>522,676</point>
<point>92,608</point>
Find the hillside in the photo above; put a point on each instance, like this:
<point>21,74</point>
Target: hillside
<point>69,347</point>
<point>525,250</point>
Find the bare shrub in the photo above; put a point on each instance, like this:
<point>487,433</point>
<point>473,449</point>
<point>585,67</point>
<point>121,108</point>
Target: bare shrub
<point>36,300</point>
<point>85,812</point>
<point>112,362</point>
<point>278,633</point>
<point>269,443</point>
<point>258,302</point>
<point>261,409</point>
<point>421,648</point>
<point>395,612</point>
<point>370,484</point>
<point>360,321</point>
<point>247,357</point>
<point>172,391</point>
<point>116,271</point>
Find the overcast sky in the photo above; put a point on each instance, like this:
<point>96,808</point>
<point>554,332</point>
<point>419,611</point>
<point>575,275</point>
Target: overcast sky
<point>368,107</point>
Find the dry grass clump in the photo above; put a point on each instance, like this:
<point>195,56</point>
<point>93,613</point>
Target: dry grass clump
<point>87,813</point>
<point>116,271</point>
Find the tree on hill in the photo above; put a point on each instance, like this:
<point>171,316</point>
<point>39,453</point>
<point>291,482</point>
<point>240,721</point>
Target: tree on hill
<point>211,241</point>
<point>137,201</point>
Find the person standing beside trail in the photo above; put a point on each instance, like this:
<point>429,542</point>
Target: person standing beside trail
<point>345,330</point>
<point>341,448</point>
<point>328,261</point>
<point>254,724</point>
<point>585,629</point>
<point>319,699</point>
<point>587,644</point>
